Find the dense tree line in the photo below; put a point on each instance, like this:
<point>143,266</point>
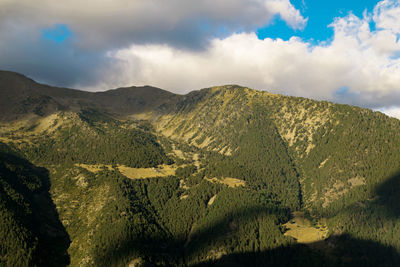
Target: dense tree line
<point>30,231</point>
<point>98,143</point>
<point>185,219</point>
<point>262,160</point>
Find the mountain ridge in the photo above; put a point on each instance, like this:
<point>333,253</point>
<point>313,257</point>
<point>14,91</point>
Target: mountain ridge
<point>215,176</point>
<point>119,94</point>
<point>20,95</point>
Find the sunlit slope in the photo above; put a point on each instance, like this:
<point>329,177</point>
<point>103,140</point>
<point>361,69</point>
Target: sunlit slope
<point>240,137</point>
<point>335,149</point>
<point>21,97</point>
<point>225,175</point>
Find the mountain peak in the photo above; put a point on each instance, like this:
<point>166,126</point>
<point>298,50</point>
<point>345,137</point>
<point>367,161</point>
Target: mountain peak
<point>232,88</point>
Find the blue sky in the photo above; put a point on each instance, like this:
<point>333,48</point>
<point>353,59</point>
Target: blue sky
<point>320,14</point>
<point>340,55</point>
<point>59,33</point>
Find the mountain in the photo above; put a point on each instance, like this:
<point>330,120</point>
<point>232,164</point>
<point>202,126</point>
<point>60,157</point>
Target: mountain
<point>225,176</point>
<point>21,96</point>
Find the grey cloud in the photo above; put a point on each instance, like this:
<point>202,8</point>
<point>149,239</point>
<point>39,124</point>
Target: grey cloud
<point>116,24</point>
<point>373,100</point>
<point>119,23</point>
<point>50,62</point>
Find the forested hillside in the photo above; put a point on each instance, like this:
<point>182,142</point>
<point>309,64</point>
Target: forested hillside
<point>30,232</point>
<point>224,176</point>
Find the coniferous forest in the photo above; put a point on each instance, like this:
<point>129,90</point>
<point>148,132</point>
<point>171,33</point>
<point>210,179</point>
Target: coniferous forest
<point>224,176</point>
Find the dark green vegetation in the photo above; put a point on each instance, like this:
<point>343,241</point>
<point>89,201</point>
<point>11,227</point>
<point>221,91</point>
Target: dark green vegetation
<point>84,139</point>
<point>63,199</point>
<point>30,231</point>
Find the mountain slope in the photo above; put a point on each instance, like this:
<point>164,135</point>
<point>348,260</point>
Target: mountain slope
<point>30,231</point>
<point>212,177</point>
<point>21,96</point>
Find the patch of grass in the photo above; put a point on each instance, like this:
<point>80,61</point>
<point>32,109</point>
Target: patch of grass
<point>229,181</point>
<point>142,173</point>
<point>94,168</point>
<point>300,228</point>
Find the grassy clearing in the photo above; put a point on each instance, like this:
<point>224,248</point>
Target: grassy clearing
<point>179,153</point>
<point>15,140</point>
<point>183,197</point>
<point>211,201</point>
<point>142,173</point>
<point>301,229</point>
<point>231,182</point>
<point>134,173</point>
<point>95,168</point>
<point>324,162</point>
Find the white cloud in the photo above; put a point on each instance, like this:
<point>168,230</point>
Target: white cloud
<point>387,14</point>
<point>287,12</point>
<point>186,45</point>
<point>110,24</point>
<point>391,111</point>
<point>359,66</point>
<point>100,26</point>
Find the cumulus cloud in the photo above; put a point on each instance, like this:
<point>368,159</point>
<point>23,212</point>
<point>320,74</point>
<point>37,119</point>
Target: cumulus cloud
<point>287,12</point>
<point>391,111</point>
<point>386,15</point>
<point>51,61</point>
<point>97,27</point>
<point>359,66</point>
<point>186,45</point>
<point>118,23</point>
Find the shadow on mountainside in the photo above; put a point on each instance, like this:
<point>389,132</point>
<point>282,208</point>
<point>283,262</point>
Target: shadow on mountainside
<point>179,251</point>
<point>389,195</point>
<point>26,206</point>
<point>338,250</point>
<point>330,252</point>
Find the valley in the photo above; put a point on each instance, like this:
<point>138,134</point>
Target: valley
<point>223,176</point>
